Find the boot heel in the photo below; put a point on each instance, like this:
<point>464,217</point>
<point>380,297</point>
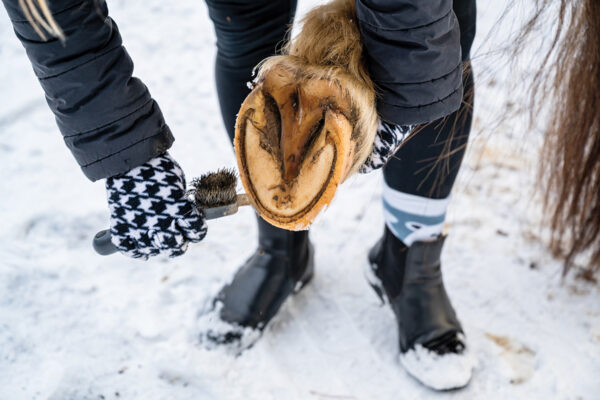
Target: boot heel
<point>302,283</point>
<point>308,274</point>
<point>375,283</point>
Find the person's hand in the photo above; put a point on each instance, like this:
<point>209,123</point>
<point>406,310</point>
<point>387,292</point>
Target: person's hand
<point>387,142</point>
<point>149,211</point>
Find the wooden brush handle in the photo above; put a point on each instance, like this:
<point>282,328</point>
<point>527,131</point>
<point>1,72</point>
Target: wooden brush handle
<point>243,200</point>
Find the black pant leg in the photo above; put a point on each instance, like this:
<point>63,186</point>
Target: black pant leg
<point>466,13</point>
<point>428,163</point>
<point>247,32</point>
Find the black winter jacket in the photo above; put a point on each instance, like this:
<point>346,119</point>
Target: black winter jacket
<point>111,123</point>
<point>414,56</point>
<point>107,118</point>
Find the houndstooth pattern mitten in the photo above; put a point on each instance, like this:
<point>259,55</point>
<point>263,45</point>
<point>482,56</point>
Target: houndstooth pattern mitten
<point>387,142</point>
<point>149,211</point>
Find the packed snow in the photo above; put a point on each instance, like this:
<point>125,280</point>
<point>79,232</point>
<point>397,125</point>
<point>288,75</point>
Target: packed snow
<point>75,325</point>
<point>445,372</point>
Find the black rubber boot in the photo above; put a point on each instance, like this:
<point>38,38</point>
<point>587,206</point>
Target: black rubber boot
<point>410,279</point>
<point>282,265</point>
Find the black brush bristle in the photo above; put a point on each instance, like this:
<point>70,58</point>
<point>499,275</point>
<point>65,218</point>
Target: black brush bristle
<point>215,188</point>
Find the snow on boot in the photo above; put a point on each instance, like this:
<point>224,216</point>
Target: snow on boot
<point>432,343</point>
<point>282,265</point>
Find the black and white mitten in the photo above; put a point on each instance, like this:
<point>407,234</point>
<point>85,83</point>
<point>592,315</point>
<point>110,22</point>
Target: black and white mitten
<point>149,211</point>
<point>387,142</point>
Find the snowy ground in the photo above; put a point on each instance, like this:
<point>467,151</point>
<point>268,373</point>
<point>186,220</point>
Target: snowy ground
<point>74,325</point>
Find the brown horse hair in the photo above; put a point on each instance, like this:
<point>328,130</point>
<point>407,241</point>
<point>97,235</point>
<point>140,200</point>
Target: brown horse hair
<point>568,82</point>
<point>329,47</point>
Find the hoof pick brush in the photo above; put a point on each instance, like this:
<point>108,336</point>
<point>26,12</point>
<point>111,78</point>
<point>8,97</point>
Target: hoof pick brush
<point>213,193</point>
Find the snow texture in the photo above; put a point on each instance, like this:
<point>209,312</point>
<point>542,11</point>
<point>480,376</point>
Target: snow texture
<point>450,371</point>
<point>216,333</point>
<point>74,325</point>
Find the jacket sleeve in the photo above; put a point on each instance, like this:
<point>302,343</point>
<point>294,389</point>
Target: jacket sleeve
<point>107,117</point>
<point>414,55</point>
